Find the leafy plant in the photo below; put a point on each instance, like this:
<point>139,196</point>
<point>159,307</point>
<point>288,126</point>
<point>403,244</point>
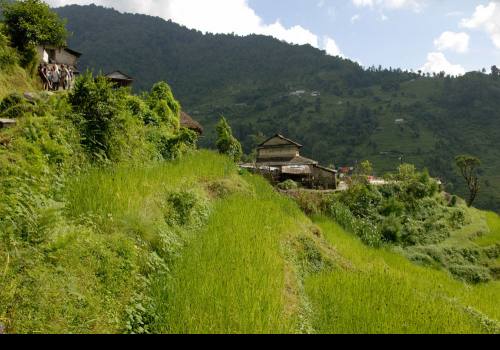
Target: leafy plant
<point>226,143</point>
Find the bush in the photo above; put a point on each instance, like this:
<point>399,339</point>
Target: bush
<point>97,107</point>
<point>288,185</point>
<point>162,102</point>
<point>226,143</point>
<point>391,229</point>
<point>364,229</point>
<point>471,273</point>
<point>15,106</point>
<point>8,56</point>
<point>185,208</point>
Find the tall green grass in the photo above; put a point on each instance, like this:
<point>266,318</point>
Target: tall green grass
<point>232,279</point>
<point>82,278</point>
<point>15,79</point>
<point>382,292</point>
<point>493,237</point>
<point>126,191</point>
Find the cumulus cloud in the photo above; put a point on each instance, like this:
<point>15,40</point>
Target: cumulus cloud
<point>355,18</point>
<point>486,18</point>
<point>214,16</point>
<point>331,47</point>
<point>415,5</point>
<point>458,42</point>
<point>437,62</point>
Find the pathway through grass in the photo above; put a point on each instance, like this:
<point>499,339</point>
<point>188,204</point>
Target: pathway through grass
<point>231,279</point>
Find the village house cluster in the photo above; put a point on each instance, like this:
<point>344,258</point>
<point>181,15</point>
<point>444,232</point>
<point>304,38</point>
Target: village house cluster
<point>58,69</point>
<point>279,159</point>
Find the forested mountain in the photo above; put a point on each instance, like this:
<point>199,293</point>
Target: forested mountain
<point>339,111</point>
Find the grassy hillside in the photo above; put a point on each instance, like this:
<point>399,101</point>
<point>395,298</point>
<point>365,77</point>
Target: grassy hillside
<point>369,294</point>
<point>250,79</point>
<point>111,221</point>
<point>232,256</point>
<point>15,79</point>
<point>237,258</point>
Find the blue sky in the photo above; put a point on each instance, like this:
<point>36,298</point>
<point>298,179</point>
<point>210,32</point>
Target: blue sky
<point>433,35</point>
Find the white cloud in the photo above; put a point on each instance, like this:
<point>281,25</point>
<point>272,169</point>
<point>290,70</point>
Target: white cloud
<point>214,16</point>
<point>454,14</point>
<point>415,5</point>
<point>486,18</point>
<point>355,18</point>
<point>331,47</point>
<point>458,42</point>
<point>437,62</point>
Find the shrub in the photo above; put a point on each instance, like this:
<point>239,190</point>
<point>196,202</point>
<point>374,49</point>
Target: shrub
<point>162,102</point>
<point>185,208</point>
<point>471,273</point>
<point>364,229</point>
<point>98,106</point>
<point>226,143</point>
<point>392,206</point>
<point>288,185</point>
<point>8,56</point>
<point>391,229</point>
<point>15,106</point>
<point>310,256</point>
<point>362,200</point>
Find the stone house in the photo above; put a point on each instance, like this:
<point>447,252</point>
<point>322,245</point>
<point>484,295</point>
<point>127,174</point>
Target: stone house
<point>59,55</point>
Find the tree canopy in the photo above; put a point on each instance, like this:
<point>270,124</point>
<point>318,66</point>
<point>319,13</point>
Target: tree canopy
<point>31,22</point>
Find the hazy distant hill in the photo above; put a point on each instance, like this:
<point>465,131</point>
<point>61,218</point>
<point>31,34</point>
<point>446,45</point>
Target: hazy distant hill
<point>345,114</point>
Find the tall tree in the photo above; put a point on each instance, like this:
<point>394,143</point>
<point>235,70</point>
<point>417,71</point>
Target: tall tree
<point>31,22</point>
<point>226,143</point>
<point>468,166</point>
<point>495,72</point>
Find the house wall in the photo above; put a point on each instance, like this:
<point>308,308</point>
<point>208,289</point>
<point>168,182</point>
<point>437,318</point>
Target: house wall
<point>42,54</point>
<point>64,57</point>
<point>324,178</point>
<point>286,151</point>
<point>61,56</point>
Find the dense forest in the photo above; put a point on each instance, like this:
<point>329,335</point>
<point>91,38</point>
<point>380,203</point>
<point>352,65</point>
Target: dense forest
<point>341,112</point>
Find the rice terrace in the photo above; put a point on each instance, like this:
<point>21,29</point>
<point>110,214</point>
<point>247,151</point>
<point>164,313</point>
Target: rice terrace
<point>202,167</point>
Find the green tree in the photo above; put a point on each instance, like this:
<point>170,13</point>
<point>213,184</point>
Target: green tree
<point>96,106</point>
<point>468,166</point>
<point>31,22</point>
<point>162,102</point>
<point>495,72</point>
<point>226,143</point>
<point>366,168</point>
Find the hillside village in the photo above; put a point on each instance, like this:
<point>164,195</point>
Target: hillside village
<point>278,158</point>
<point>116,219</point>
